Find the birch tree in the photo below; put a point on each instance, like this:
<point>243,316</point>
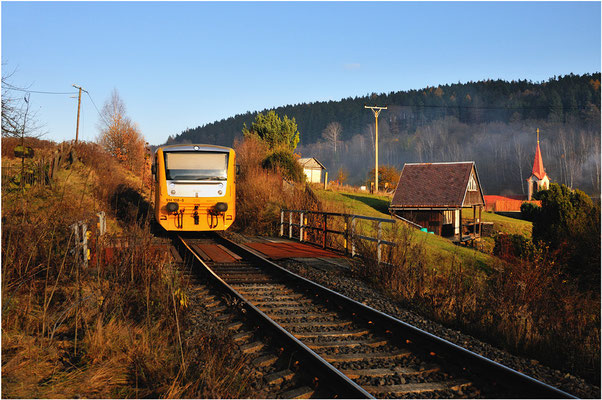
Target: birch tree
<point>332,134</point>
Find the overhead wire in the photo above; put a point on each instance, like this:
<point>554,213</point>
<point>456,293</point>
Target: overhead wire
<point>11,87</point>
<point>97,110</point>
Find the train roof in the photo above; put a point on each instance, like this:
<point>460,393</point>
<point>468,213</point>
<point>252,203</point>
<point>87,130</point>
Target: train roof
<point>193,147</point>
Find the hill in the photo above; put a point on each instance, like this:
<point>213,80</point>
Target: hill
<point>491,122</point>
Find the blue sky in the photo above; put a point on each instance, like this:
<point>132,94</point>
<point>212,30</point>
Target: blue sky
<point>179,65</point>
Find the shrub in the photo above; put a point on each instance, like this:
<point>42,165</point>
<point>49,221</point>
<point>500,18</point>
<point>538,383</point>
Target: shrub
<point>284,161</point>
<point>529,210</point>
<point>512,246</point>
<point>568,221</point>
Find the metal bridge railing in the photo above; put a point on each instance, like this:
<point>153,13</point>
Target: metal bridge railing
<point>349,233</point>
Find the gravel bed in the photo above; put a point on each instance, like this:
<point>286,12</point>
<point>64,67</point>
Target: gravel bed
<point>341,281</point>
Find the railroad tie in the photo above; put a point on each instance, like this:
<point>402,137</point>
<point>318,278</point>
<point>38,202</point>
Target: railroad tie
<point>326,324</point>
<point>277,378</point>
<point>242,336</point>
<point>265,360</point>
<point>252,347</point>
<point>418,388</point>
<point>382,372</point>
<point>307,335</point>
<point>304,392</point>
<point>354,357</point>
<point>348,343</point>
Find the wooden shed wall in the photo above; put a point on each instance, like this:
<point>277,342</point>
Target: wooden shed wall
<point>474,198</point>
<point>432,220</point>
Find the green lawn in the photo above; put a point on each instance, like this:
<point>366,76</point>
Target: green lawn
<point>508,225</point>
<point>439,250</point>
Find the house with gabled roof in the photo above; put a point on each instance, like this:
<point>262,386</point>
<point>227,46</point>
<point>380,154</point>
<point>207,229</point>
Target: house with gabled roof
<point>438,197</point>
<point>312,168</point>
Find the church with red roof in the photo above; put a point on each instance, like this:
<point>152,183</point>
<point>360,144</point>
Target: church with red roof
<point>539,179</point>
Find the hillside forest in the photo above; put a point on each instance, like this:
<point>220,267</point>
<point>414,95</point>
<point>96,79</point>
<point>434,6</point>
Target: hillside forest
<point>492,122</point>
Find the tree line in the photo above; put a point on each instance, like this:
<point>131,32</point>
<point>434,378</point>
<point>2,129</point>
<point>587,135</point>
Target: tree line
<point>564,99</point>
<point>491,122</point>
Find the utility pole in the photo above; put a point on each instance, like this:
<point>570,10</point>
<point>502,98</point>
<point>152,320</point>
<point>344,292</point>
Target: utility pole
<point>79,101</point>
<point>21,181</point>
<point>376,110</point>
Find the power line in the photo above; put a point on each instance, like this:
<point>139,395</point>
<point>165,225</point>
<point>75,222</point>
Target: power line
<point>98,111</point>
<point>11,87</point>
<point>489,107</point>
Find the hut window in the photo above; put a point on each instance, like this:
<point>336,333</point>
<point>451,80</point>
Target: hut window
<point>472,184</point>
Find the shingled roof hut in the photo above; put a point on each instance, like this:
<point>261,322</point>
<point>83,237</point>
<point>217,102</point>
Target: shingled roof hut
<point>433,195</point>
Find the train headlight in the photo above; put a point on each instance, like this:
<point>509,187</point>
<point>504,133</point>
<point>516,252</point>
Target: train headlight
<point>221,207</point>
<point>172,206</point>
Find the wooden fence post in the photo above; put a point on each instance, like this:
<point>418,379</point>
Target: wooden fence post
<point>301,226</point>
<point>352,237</point>
<point>281,222</point>
<point>346,238</point>
<point>290,224</point>
<point>324,229</point>
<point>378,237</point>
<point>304,232</point>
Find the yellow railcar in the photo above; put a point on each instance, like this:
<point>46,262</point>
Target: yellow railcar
<point>195,187</point>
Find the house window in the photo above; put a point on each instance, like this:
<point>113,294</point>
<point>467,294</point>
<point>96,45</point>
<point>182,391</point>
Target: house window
<point>472,184</point>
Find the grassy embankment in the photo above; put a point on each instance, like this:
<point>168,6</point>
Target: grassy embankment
<point>116,329</point>
<point>526,306</point>
<point>438,248</point>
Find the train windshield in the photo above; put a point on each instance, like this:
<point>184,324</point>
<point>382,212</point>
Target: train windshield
<point>196,166</point>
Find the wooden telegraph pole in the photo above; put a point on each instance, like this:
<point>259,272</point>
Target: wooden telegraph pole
<point>376,110</point>
<point>79,101</point>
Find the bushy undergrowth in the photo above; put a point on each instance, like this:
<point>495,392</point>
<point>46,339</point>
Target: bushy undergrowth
<point>261,193</point>
<point>114,328</point>
<point>284,162</point>
<point>527,305</point>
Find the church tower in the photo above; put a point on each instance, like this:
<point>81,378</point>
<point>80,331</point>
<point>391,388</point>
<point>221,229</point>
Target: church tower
<point>539,179</point>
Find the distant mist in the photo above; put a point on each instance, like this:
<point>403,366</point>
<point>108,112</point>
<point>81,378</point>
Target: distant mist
<point>503,152</point>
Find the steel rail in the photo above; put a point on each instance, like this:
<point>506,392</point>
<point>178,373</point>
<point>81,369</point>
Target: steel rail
<point>515,381</point>
<point>333,377</point>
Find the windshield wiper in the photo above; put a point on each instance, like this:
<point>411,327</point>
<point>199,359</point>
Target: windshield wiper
<point>212,178</point>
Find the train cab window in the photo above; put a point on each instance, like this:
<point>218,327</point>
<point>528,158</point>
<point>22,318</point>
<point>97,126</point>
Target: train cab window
<point>196,166</point>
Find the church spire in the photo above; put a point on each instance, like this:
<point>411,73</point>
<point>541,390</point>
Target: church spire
<point>538,169</point>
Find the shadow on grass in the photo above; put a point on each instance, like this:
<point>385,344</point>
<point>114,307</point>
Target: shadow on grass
<point>379,205</point>
<point>129,206</point>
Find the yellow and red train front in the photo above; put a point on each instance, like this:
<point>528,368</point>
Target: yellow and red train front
<point>195,187</point>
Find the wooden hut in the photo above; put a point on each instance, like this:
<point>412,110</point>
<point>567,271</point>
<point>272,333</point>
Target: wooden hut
<point>312,169</point>
<point>439,196</point>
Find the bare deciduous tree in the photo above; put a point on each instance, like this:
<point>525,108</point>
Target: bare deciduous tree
<point>119,135</point>
<point>17,119</point>
<point>332,134</point>
<point>519,152</point>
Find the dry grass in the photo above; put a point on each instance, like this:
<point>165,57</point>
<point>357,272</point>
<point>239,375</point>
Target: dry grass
<point>112,329</point>
<point>527,306</point>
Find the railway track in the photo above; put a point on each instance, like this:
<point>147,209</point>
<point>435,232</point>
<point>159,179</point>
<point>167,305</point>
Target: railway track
<point>318,343</point>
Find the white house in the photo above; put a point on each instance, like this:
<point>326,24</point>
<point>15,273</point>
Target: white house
<point>312,169</point>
